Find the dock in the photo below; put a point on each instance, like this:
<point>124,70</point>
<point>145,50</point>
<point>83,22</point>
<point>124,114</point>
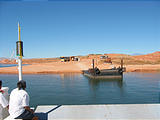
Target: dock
<point>99,112</point>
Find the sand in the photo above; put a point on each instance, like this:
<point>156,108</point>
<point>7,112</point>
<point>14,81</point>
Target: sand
<point>140,63</point>
<point>55,67</point>
<point>72,67</point>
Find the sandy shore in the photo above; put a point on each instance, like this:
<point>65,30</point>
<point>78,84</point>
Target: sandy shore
<point>73,67</point>
<point>143,68</point>
<point>55,67</point>
<point>140,63</point>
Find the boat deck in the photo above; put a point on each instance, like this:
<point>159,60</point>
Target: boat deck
<point>100,112</point>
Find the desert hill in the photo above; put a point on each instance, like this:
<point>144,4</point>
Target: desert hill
<point>152,58</point>
<point>139,63</point>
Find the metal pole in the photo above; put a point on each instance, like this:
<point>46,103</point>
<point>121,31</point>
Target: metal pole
<point>20,57</point>
<point>20,68</point>
<point>121,62</point>
<point>93,63</point>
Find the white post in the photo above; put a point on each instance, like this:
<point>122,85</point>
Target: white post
<point>20,68</point>
<point>20,56</point>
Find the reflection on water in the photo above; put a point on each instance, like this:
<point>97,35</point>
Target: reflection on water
<point>104,87</point>
<point>71,79</point>
<point>76,89</point>
<point>110,82</point>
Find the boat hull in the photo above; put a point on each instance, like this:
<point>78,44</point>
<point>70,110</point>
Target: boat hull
<point>105,74</point>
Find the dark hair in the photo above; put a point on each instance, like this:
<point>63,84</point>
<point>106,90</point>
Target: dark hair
<point>0,83</point>
<point>21,84</point>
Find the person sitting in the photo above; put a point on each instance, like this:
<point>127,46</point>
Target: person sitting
<point>3,101</point>
<point>19,103</point>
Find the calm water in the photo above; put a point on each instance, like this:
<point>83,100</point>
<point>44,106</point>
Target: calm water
<point>77,89</point>
<point>8,65</point>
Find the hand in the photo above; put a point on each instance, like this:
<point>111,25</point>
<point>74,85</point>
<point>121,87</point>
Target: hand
<point>31,110</point>
<point>28,108</point>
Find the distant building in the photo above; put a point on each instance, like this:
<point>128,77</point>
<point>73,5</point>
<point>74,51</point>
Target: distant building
<point>105,59</point>
<point>65,59</point>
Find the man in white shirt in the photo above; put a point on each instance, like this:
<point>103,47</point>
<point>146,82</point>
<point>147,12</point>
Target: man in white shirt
<point>19,103</point>
<point>3,101</point>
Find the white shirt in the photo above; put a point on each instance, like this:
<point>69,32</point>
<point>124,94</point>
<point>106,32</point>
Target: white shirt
<point>3,101</point>
<point>18,100</point>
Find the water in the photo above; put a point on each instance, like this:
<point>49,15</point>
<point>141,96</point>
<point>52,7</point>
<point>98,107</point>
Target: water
<point>7,65</point>
<point>10,65</point>
<point>57,89</point>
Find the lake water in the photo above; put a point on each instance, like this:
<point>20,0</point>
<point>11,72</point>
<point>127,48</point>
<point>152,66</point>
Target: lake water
<point>56,89</point>
<point>7,65</point>
<point>10,65</point>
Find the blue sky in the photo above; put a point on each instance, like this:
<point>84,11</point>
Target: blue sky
<point>65,28</point>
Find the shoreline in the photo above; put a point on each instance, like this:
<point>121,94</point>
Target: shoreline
<point>52,73</point>
<point>140,63</point>
<point>73,67</point>
<point>44,73</point>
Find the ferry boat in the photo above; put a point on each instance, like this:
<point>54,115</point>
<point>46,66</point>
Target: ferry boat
<point>96,73</point>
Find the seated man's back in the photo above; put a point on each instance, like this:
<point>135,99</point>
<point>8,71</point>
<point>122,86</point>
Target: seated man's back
<point>19,99</point>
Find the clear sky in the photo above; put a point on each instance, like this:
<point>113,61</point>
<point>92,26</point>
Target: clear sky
<point>65,28</point>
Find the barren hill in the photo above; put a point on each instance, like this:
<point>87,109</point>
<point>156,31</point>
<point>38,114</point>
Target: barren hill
<point>152,58</point>
<point>148,62</point>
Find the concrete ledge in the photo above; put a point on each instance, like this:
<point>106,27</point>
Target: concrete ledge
<point>100,112</point>
<point>9,117</point>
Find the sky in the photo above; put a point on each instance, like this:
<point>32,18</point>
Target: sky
<point>66,28</point>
